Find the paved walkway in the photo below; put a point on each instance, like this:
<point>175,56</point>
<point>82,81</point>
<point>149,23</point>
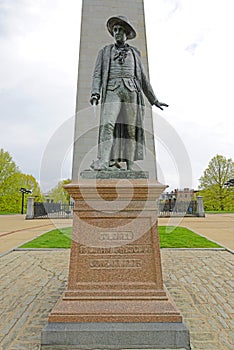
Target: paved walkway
<point>198,280</point>
<point>15,230</point>
<point>217,227</point>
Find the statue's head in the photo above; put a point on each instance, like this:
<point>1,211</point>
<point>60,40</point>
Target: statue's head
<point>119,26</point>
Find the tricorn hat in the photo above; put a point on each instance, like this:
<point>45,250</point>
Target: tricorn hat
<point>124,22</point>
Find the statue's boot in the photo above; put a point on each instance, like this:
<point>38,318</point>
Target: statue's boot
<point>115,164</point>
<point>130,164</point>
<point>104,162</point>
<point>98,165</point>
<point>130,154</point>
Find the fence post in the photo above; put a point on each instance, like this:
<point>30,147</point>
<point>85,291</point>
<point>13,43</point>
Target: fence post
<point>30,209</point>
<point>200,207</point>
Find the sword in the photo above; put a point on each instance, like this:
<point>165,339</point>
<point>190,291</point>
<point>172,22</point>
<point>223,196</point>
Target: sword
<point>95,110</point>
<point>95,102</point>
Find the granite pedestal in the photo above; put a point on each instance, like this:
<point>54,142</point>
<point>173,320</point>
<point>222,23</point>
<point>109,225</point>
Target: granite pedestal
<point>116,336</point>
<point>115,295</point>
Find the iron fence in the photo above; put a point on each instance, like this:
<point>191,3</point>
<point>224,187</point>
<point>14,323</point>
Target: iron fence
<point>165,208</point>
<point>53,210</point>
<point>177,208</point>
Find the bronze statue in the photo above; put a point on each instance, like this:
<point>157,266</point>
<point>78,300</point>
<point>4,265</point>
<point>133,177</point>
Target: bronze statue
<point>119,80</point>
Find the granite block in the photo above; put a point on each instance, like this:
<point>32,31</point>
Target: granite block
<point>116,336</point>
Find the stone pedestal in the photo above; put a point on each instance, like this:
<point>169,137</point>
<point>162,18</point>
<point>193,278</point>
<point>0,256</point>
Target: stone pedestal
<point>30,209</point>
<point>115,289</point>
<point>200,207</point>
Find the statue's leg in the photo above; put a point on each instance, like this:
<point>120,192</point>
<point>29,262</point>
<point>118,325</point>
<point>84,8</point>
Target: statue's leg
<point>109,116</point>
<point>130,120</point>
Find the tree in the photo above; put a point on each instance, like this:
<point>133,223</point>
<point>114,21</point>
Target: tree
<point>11,180</point>
<point>12,196</point>
<point>217,196</point>
<point>59,194</point>
<point>7,166</point>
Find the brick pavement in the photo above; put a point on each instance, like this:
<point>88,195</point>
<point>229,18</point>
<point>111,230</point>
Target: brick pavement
<point>200,282</point>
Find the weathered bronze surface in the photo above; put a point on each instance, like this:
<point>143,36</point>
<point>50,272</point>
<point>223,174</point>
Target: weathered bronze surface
<point>119,81</point>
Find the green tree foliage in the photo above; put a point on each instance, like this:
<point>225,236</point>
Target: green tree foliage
<point>11,180</point>
<point>7,166</point>
<point>217,196</point>
<point>58,193</point>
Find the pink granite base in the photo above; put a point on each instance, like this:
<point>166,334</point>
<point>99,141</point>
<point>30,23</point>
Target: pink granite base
<point>115,270</point>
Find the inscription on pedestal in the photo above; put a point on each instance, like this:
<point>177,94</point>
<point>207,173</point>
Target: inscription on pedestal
<point>115,263</point>
<point>128,249</point>
<point>116,236</point>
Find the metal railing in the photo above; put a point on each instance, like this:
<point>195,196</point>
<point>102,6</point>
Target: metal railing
<point>53,210</point>
<point>166,208</point>
<point>177,208</point>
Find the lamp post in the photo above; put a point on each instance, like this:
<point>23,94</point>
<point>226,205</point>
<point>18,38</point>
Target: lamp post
<point>229,183</point>
<point>23,191</point>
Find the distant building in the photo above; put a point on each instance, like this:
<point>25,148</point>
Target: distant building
<point>183,195</point>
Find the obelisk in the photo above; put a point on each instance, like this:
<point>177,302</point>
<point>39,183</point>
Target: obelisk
<point>115,296</point>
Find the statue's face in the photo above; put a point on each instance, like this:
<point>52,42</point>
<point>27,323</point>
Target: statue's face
<point>119,34</point>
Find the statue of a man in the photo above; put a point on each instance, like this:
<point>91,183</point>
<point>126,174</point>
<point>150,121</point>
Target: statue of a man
<point>119,80</point>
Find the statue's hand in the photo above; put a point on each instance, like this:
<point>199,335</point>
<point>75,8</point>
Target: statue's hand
<point>160,105</point>
<point>94,100</point>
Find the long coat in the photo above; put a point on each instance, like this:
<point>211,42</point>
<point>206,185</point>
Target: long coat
<point>99,87</point>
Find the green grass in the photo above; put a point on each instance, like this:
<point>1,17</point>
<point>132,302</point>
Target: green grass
<point>170,237</point>
<point>7,213</point>
<point>180,237</point>
<point>219,212</point>
<point>53,239</point>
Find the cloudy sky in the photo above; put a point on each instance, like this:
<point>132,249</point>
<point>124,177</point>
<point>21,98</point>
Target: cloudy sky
<point>191,55</point>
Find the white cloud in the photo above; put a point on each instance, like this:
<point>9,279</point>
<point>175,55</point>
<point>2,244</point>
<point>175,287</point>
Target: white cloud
<point>191,58</point>
<point>39,51</point>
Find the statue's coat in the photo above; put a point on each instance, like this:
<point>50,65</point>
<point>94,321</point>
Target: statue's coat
<point>99,87</point>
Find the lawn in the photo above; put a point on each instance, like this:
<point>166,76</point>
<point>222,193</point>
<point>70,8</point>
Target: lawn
<point>219,212</point>
<point>7,213</point>
<point>53,239</point>
<point>181,237</point>
<point>170,237</point>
